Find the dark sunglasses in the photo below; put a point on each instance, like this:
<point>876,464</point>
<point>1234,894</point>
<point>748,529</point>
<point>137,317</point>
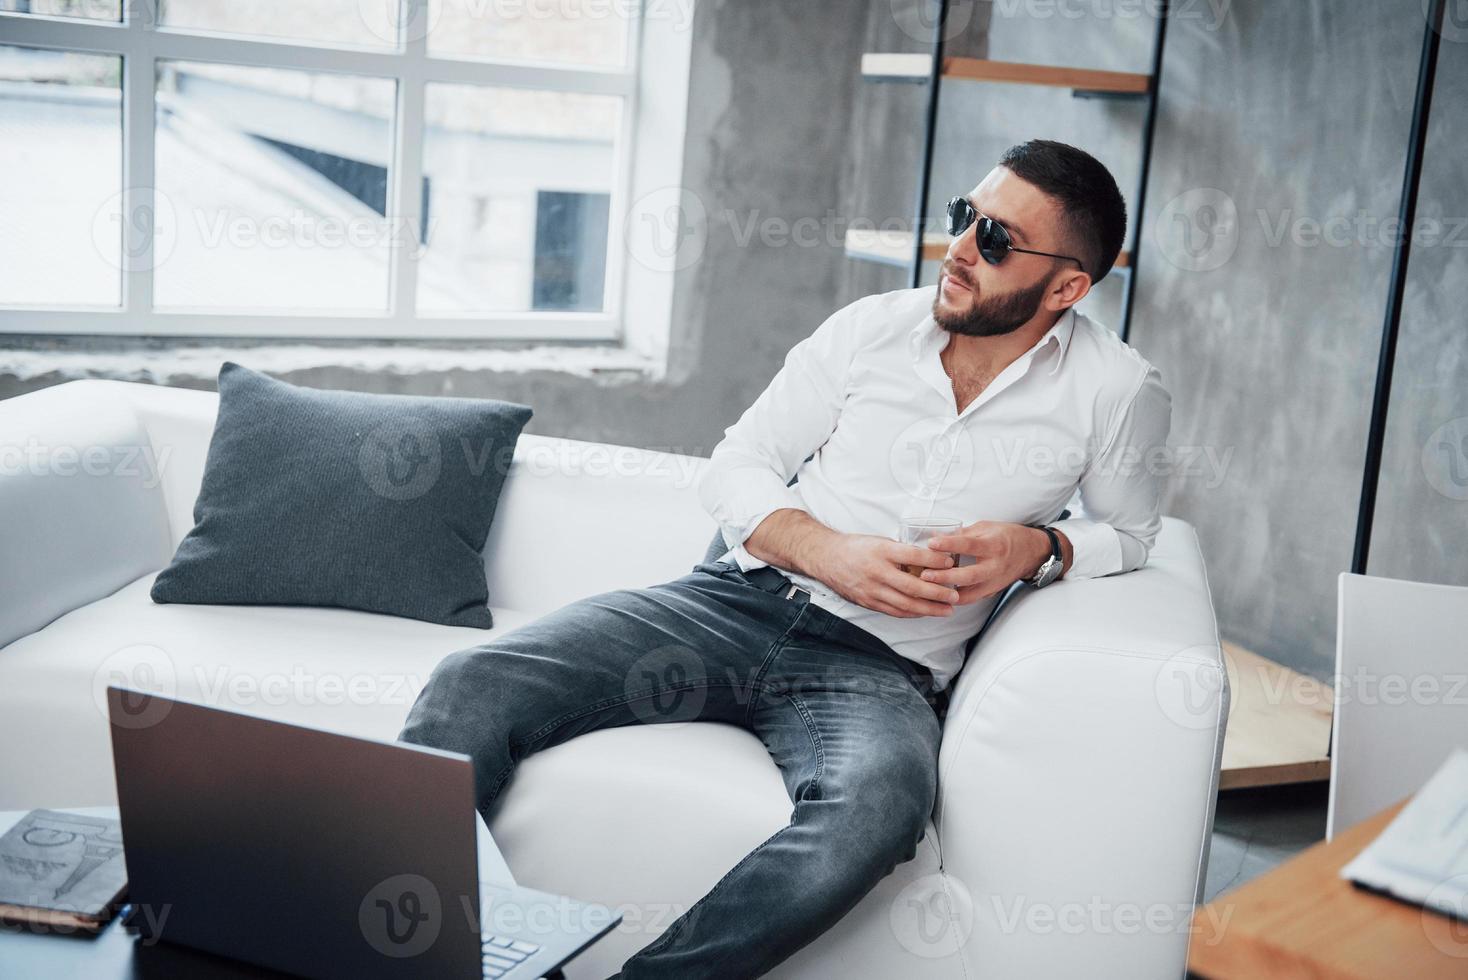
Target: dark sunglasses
<point>994,240</point>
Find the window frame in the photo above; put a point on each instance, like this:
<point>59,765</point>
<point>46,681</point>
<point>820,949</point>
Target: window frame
<point>649,153</point>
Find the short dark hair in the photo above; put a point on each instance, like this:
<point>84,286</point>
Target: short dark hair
<point>1091,207</point>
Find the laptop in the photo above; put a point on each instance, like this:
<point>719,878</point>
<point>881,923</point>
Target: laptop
<point>320,854</point>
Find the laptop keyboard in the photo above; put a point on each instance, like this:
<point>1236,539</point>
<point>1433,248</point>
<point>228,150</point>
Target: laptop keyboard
<point>502,955</point>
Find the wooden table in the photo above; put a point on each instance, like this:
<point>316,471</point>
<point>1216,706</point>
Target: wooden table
<point>1303,920</point>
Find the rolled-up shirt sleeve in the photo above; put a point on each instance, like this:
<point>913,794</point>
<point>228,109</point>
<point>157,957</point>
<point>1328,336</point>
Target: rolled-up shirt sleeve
<point>749,472</point>
<point>1121,488</point>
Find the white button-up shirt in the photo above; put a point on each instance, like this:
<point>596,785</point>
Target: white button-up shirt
<point>864,414</point>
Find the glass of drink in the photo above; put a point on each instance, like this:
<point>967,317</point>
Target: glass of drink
<point>921,530</point>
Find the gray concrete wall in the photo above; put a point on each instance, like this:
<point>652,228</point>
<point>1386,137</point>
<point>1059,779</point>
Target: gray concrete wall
<point>1421,526</point>
<point>1284,115</point>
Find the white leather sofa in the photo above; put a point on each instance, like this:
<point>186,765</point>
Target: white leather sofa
<point>1078,769</point>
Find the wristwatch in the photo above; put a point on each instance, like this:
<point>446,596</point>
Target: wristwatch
<point>1051,567</point>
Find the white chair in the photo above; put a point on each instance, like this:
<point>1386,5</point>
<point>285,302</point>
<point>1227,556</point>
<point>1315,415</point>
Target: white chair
<point>1401,691</point>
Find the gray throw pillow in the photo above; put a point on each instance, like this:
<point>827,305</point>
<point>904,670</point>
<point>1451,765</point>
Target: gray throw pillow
<point>339,498</point>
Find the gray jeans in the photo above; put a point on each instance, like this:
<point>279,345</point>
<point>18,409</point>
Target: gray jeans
<point>853,726</point>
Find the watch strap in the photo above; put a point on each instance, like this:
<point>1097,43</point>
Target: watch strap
<point>1055,551</point>
<point>1054,561</point>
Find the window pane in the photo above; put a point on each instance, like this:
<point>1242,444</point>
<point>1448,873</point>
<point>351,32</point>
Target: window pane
<point>518,188</point>
<point>364,23</point>
<point>277,182</point>
<point>583,32</point>
<point>90,9</point>
<point>61,159</point>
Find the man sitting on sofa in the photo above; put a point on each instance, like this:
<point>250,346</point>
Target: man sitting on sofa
<point>988,400</point>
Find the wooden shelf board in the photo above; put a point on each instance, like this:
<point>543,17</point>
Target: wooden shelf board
<point>895,247</point>
<point>1077,79</point>
<point>1278,725</point>
<point>918,67</point>
<point>880,66</point>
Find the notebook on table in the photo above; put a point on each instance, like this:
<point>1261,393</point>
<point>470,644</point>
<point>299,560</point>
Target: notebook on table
<point>62,870</point>
<point>1422,855</point>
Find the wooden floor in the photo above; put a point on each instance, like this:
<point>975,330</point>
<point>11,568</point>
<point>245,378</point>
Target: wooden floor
<point>1278,725</point>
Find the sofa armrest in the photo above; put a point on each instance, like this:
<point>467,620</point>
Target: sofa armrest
<point>84,512</point>
<point>1079,769</point>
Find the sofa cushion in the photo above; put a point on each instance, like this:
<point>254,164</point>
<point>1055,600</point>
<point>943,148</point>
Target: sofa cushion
<point>348,671</point>
<point>336,498</point>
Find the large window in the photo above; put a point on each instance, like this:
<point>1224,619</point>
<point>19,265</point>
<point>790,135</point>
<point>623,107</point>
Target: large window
<point>329,168</point>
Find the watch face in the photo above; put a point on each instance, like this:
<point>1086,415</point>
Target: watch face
<point>1048,572</point>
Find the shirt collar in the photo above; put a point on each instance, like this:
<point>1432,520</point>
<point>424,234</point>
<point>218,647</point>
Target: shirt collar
<point>1063,331</point>
<point>927,334</point>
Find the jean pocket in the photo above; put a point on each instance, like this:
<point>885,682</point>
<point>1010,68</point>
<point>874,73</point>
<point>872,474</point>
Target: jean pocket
<point>720,569</point>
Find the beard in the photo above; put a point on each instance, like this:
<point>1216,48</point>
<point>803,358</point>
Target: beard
<point>991,316</point>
